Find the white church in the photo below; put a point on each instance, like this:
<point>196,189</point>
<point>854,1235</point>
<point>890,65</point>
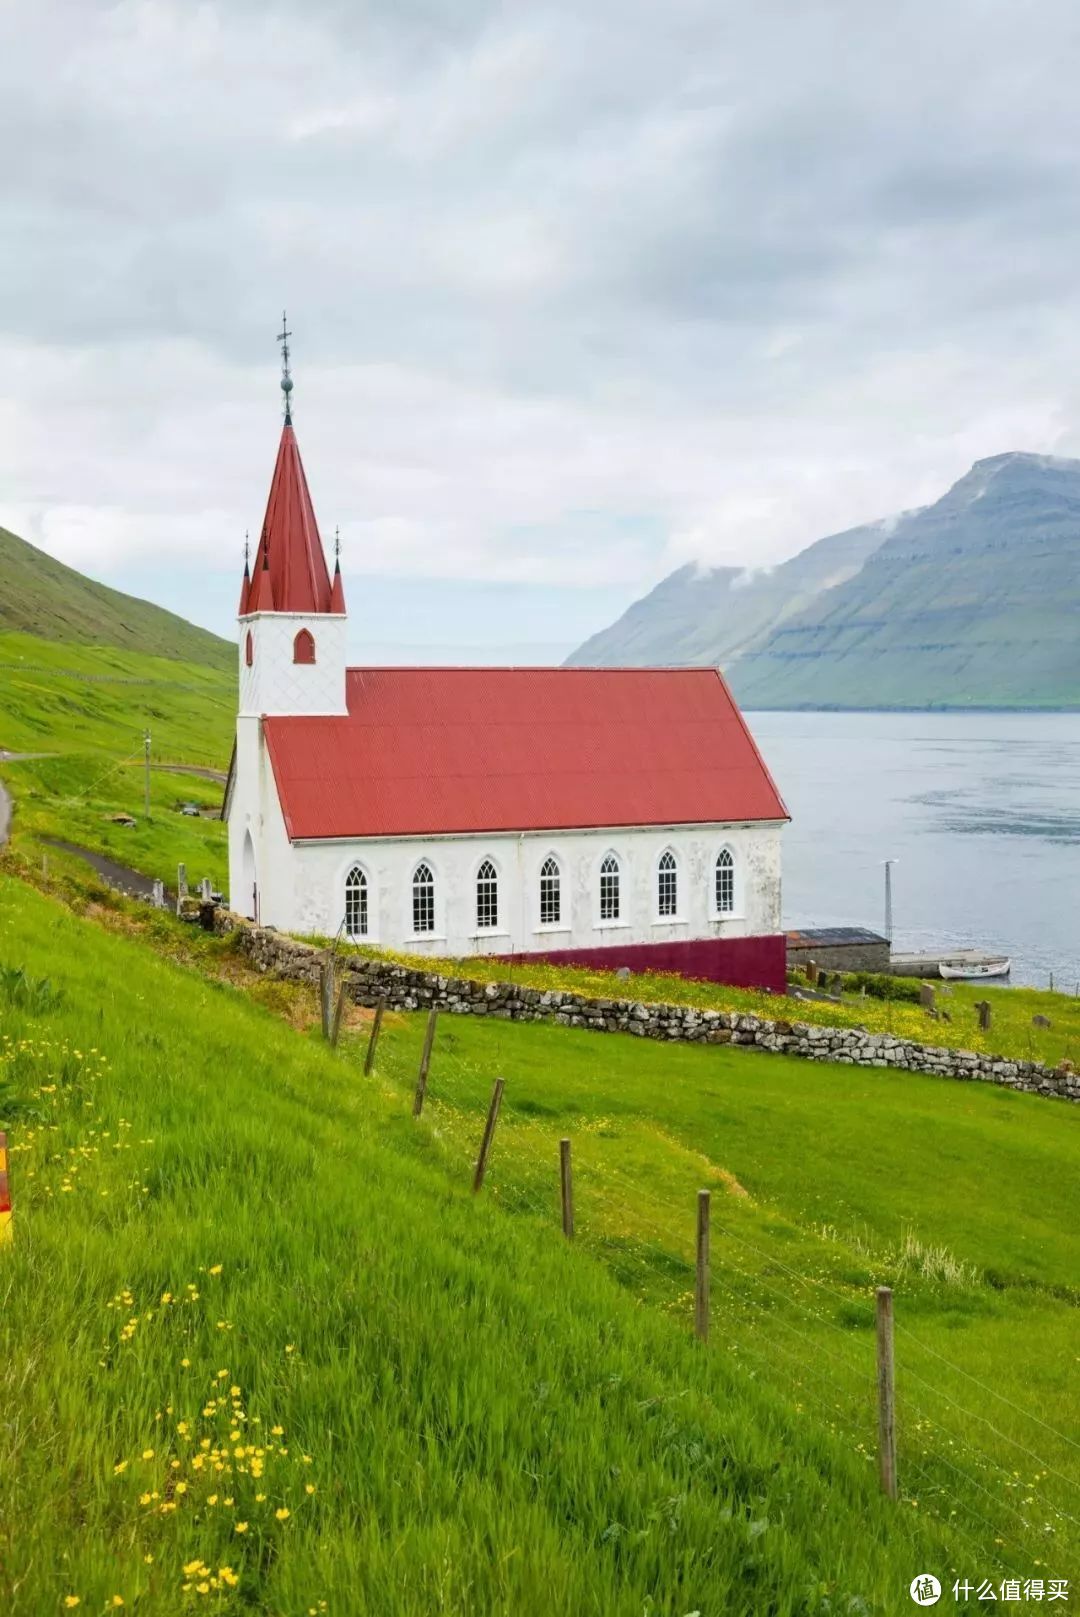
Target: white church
<point>603,816</point>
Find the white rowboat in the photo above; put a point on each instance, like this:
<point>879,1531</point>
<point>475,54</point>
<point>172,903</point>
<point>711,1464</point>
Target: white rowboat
<point>971,969</point>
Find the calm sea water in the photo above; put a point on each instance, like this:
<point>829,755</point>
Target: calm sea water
<point>981,810</point>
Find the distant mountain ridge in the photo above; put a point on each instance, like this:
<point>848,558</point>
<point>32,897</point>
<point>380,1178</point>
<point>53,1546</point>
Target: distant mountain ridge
<point>971,601</point>
<point>41,596</point>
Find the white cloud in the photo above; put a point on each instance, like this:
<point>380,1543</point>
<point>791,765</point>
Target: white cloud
<point>579,294</point>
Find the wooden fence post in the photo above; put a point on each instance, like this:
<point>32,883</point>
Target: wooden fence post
<point>376,1028</point>
<point>566,1177</point>
<point>425,1061</point>
<point>701,1286</point>
<point>325,991</point>
<point>7,1230</point>
<point>339,1011</point>
<point>886,1393</point>
<point>489,1135</point>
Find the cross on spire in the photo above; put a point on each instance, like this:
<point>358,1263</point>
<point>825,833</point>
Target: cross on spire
<point>286,379</point>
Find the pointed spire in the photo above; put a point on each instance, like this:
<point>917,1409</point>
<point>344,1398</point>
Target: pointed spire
<point>261,596</point>
<point>245,587</point>
<point>337,590</point>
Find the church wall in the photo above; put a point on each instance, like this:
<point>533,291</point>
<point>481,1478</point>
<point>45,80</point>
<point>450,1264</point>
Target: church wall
<point>273,683</point>
<point>306,894</point>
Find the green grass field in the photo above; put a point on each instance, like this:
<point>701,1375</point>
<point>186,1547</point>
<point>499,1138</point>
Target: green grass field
<point>261,1349</point>
<point>88,707</point>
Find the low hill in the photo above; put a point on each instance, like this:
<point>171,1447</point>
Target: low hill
<point>700,615</point>
<point>971,601</point>
<point>43,597</point>
<point>265,1345</point>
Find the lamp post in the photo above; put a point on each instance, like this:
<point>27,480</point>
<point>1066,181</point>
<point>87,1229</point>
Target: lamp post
<point>888,896</point>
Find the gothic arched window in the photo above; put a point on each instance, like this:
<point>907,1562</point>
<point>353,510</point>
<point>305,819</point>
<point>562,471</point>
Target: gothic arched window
<point>356,904</point>
<point>487,896</point>
<point>725,882</point>
<point>550,892</point>
<point>667,885</point>
<point>423,898</point>
<point>303,647</point>
<point>609,888</point>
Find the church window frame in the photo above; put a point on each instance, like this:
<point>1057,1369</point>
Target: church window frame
<point>304,648</point>
<point>422,895</point>
<point>249,650</point>
<point>724,884</point>
<point>667,886</point>
<point>550,885</point>
<point>610,889</point>
<point>357,904</point>
<point>487,896</point>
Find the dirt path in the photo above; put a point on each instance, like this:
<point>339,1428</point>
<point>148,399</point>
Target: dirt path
<point>217,775</point>
<point>129,881</point>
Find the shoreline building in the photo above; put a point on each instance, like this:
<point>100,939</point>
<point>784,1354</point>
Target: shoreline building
<point>601,816</point>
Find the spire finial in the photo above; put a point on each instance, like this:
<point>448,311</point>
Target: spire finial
<point>337,546</point>
<point>247,550</point>
<point>286,379</point>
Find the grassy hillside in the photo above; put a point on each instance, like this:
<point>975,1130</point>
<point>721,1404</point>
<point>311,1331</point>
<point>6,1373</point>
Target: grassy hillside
<point>42,597</point>
<point>970,602</point>
<point>258,1342</point>
<point>713,615</point>
<point>87,709</point>
<point>256,1335</point>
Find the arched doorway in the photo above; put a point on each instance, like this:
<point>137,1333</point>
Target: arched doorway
<point>249,891</point>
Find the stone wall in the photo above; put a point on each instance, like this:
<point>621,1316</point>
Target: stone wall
<point>410,989</point>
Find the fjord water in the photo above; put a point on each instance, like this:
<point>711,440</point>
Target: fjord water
<point>982,811</point>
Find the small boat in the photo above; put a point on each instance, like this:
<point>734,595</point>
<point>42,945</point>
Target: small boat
<point>1000,966</point>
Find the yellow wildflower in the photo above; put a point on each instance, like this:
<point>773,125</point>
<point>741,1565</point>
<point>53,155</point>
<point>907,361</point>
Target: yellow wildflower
<point>282,1514</point>
<point>122,1465</point>
<point>241,1527</point>
<point>216,1270</point>
<point>71,1601</point>
<point>309,1487</point>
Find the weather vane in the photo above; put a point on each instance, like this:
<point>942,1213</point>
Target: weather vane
<point>247,549</point>
<point>337,544</point>
<point>286,379</point>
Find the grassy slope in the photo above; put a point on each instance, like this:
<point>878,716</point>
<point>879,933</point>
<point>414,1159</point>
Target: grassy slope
<point>42,597</point>
<point>488,1421</point>
<point>90,706</point>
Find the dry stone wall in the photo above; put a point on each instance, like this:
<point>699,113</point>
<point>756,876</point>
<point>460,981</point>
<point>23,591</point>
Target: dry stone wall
<point>405,988</point>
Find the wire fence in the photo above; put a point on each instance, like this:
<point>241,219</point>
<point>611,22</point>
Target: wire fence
<point>996,1493</point>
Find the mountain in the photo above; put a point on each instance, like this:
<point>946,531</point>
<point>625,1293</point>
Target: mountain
<point>42,597</point>
<point>972,601</point>
<point>714,615</point>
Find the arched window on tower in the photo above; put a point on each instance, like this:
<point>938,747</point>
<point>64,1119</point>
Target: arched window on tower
<point>249,649</point>
<point>303,647</point>
<point>609,888</point>
<point>725,882</point>
<point>667,885</point>
<point>356,904</point>
<point>487,897</point>
<point>550,892</point>
<point>423,899</point>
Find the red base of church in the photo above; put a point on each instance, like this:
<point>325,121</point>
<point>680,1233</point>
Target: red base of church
<point>740,962</point>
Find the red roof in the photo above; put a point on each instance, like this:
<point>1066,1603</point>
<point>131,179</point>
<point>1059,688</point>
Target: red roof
<point>424,751</point>
<point>299,580</point>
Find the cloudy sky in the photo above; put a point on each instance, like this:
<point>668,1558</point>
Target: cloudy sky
<point>579,292</point>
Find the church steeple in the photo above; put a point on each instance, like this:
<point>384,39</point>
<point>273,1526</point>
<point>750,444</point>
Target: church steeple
<point>289,551</point>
